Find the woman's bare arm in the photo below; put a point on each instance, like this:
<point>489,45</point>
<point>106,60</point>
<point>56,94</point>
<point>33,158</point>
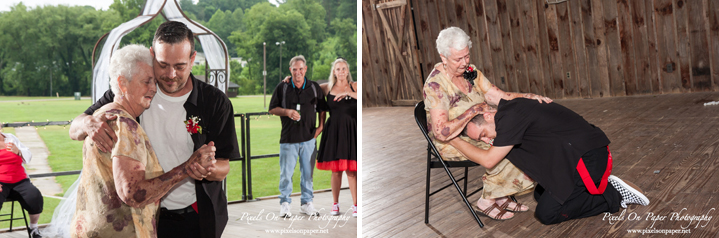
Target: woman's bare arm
<point>486,158</point>
<point>97,128</point>
<point>492,94</point>
<point>136,191</point>
<point>445,129</point>
<point>351,94</point>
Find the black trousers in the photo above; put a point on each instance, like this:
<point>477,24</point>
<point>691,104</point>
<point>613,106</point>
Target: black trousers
<point>26,193</point>
<point>178,223</point>
<point>580,203</point>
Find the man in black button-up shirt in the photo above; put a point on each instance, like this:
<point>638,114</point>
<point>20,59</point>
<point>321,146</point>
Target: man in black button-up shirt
<point>297,103</point>
<point>565,154</point>
<point>197,208</point>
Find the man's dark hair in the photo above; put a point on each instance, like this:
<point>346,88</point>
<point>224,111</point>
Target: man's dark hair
<point>173,32</point>
<point>477,120</point>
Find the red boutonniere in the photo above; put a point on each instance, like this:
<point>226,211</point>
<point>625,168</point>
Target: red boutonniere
<point>193,125</point>
<point>470,74</point>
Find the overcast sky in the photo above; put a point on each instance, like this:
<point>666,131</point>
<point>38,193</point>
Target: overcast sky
<point>98,4</point>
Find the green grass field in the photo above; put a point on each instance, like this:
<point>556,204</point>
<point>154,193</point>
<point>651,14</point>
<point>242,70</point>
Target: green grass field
<point>66,154</point>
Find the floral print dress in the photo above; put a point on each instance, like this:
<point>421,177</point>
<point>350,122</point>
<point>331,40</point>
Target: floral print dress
<point>100,212</point>
<point>440,93</point>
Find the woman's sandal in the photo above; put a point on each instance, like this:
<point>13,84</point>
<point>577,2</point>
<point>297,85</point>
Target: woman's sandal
<point>496,217</point>
<point>517,207</point>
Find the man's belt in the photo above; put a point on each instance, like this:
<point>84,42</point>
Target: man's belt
<point>180,211</point>
<point>582,169</point>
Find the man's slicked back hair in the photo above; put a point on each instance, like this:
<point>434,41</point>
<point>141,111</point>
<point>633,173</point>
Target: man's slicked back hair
<point>173,32</point>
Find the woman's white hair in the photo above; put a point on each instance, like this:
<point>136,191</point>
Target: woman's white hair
<point>124,63</point>
<point>452,37</point>
<point>333,79</point>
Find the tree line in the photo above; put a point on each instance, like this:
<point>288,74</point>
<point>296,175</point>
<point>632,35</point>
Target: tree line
<point>49,49</point>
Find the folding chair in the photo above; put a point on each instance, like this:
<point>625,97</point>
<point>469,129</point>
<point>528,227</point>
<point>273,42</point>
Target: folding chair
<point>434,160</point>
<point>12,200</point>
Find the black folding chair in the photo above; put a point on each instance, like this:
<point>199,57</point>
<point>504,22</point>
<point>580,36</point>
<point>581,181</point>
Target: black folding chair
<point>12,199</point>
<point>434,160</point>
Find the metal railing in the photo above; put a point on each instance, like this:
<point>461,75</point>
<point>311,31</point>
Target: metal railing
<point>245,152</point>
<point>33,123</point>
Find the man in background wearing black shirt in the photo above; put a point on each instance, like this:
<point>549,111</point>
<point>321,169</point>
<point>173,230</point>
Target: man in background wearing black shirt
<point>297,103</point>
<point>568,157</point>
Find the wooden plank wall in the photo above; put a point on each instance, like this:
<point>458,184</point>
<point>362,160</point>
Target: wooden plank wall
<point>390,53</point>
<point>572,49</point>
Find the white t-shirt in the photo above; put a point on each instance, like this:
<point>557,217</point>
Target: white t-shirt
<point>165,126</point>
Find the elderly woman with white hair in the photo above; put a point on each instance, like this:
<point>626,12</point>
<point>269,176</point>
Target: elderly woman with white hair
<point>119,192</point>
<point>453,93</point>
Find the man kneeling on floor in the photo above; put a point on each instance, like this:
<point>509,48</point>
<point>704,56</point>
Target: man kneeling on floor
<point>568,158</point>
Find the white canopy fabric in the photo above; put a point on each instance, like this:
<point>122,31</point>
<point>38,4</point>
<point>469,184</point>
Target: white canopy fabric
<point>213,47</point>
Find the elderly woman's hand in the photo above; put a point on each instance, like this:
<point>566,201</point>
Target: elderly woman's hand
<point>100,132</point>
<point>481,109</point>
<point>201,163</point>
<point>541,99</point>
<point>205,155</point>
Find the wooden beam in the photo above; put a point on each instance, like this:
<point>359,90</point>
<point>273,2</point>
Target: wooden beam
<point>626,43</point>
<point>666,46</point>
<point>472,29</point>
<point>569,73</point>
<point>713,32</point>
<point>535,69</point>
<point>483,62</point>
<point>654,63</point>
<point>700,65</point>
<point>682,35</point>
<point>426,51</point>
<point>508,46</point>
<point>496,44</point>
<point>386,5</point>
<point>641,48</point>
<point>557,78</point>
<point>600,87</point>
<point>395,45</point>
<point>544,49</point>
<point>404,103</point>
<point>614,49</point>
<point>374,35</point>
<point>580,55</point>
<point>519,58</point>
<point>414,55</point>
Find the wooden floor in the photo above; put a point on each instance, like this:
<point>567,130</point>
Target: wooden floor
<point>255,219</point>
<point>667,144</point>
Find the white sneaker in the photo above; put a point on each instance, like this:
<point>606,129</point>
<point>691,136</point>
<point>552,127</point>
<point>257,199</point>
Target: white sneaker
<point>285,210</point>
<point>309,209</point>
<point>35,233</point>
<point>631,193</point>
<point>354,210</point>
<point>335,209</point>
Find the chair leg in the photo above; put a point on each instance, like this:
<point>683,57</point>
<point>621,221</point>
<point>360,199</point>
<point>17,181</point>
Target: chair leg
<point>426,195</point>
<point>466,170</point>
<point>12,214</point>
<point>27,227</point>
<point>466,202</point>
